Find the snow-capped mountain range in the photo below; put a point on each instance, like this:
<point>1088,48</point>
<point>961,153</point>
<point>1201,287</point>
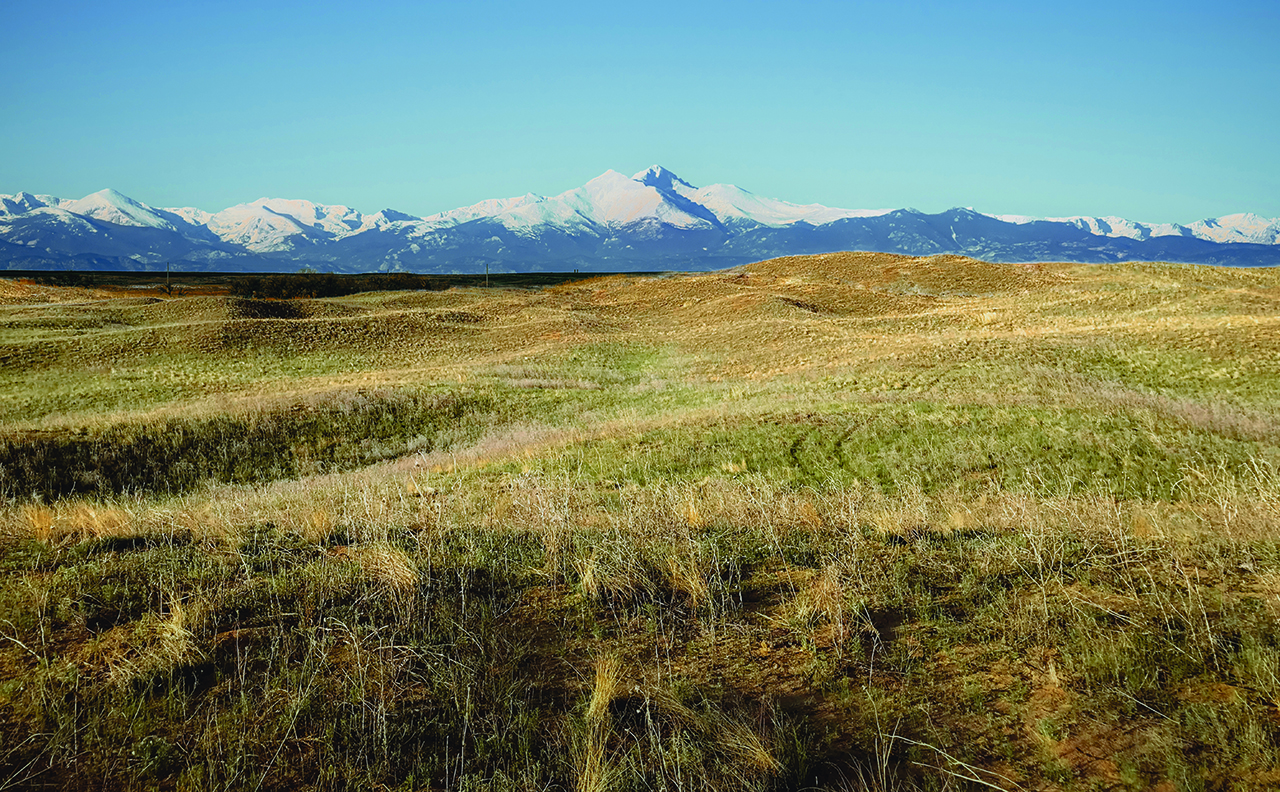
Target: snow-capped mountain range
<point>652,220</point>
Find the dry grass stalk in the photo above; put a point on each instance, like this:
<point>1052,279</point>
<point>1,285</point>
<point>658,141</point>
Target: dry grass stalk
<point>389,566</point>
<point>589,581</point>
<point>692,515</point>
<point>739,740</point>
<point>809,517</point>
<point>1144,526</point>
<point>39,521</point>
<point>75,521</point>
<point>688,579</point>
<point>318,526</point>
<point>611,572</point>
<point>595,773</point>
<point>608,676</point>
<point>101,521</point>
<point>157,645</point>
<point>826,597</point>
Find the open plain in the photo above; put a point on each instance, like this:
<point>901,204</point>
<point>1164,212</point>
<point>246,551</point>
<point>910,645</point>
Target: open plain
<point>853,522</point>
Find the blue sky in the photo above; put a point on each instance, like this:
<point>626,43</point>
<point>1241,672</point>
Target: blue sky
<point>1164,112</point>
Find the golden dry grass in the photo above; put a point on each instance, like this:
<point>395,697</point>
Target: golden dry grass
<point>708,522</point>
<point>875,318</point>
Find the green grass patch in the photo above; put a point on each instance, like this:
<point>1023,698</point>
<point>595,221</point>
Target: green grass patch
<point>928,447</point>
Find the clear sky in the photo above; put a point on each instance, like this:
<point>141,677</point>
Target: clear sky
<point>1156,111</point>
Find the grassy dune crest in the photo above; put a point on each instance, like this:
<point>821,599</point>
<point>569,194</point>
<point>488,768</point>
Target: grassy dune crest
<point>848,522</point>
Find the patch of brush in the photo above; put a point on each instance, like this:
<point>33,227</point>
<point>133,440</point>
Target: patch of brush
<point>178,455</point>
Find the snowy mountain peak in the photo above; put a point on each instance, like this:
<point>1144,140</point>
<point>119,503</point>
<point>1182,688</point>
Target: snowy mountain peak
<point>338,220</point>
<point>609,180</point>
<point>112,206</point>
<point>614,199</point>
<point>1245,227</point>
<point>21,202</point>
<point>384,219</point>
<point>279,224</point>
<point>1244,218</point>
<point>391,215</point>
<point>257,227</point>
<point>111,197</point>
<point>663,179</point>
<point>191,215</point>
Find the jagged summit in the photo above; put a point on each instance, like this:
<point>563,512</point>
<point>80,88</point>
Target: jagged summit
<point>661,178</point>
<point>614,199</point>
<point>20,203</point>
<point>391,215</point>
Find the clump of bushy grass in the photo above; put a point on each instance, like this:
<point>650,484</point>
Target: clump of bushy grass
<point>178,455</point>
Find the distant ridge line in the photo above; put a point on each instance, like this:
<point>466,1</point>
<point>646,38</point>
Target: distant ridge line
<point>653,220</point>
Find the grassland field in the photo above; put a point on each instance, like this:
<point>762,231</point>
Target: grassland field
<point>850,522</point>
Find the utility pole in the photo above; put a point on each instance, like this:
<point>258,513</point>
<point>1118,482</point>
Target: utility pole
<point>486,274</point>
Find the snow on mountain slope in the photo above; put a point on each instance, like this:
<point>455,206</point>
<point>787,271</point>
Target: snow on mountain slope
<point>26,227</point>
<point>487,208</point>
<point>730,203</point>
<point>528,218</point>
<point>662,179</point>
<point>196,217</point>
<point>1235,228</point>
<point>609,200</point>
<point>337,220</point>
<point>276,224</point>
<point>258,228</point>
<point>734,203</point>
<point>386,218</point>
<point>1246,227</point>
<point>24,202</point>
<point>113,207</point>
<point>1110,226</point>
<point>612,199</point>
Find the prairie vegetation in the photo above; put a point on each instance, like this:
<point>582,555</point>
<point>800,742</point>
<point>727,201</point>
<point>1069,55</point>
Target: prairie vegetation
<point>847,522</point>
